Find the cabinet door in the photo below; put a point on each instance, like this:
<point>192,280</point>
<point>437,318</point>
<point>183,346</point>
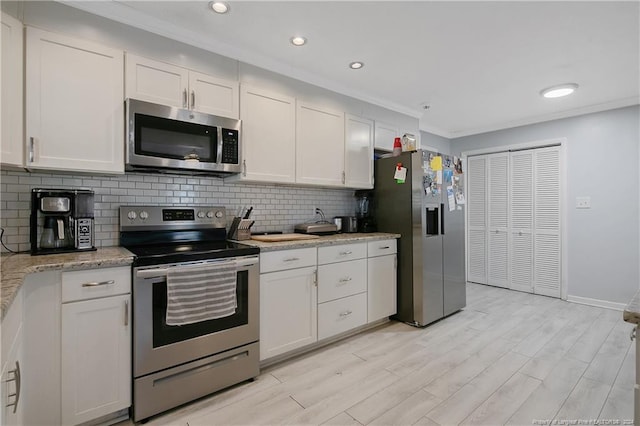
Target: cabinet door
<point>521,212</point>
<point>384,136</point>
<point>268,136</point>
<point>12,147</point>
<point>319,146</point>
<point>96,358</point>
<point>381,291</point>
<point>498,220</point>
<point>158,82</point>
<point>476,220</point>
<point>358,153</point>
<point>546,217</point>
<point>213,95</point>
<point>288,311</point>
<point>74,104</point>
<point>12,390</point>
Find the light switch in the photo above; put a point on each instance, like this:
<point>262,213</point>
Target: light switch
<point>583,202</point>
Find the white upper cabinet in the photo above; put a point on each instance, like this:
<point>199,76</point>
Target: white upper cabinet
<point>74,104</point>
<point>156,82</point>
<point>384,136</point>
<point>358,152</point>
<point>319,146</point>
<point>268,136</point>
<point>166,84</point>
<point>12,148</point>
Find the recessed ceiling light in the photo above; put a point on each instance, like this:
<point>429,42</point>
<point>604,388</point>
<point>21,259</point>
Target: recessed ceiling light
<point>356,65</point>
<point>559,90</point>
<point>219,6</point>
<point>298,41</point>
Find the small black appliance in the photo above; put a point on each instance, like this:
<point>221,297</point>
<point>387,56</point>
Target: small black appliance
<point>61,220</point>
<point>364,211</point>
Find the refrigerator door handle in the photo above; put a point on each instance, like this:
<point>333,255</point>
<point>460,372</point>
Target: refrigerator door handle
<point>442,218</point>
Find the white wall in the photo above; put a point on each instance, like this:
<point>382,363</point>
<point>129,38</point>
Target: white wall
<point>441,144</point>
<point>602,162</point>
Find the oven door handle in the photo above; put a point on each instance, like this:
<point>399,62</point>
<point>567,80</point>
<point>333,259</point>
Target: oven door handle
<point>241,264</point>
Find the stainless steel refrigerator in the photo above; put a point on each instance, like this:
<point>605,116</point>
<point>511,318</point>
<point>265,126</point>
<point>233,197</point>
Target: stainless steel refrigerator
<point>427,210</point>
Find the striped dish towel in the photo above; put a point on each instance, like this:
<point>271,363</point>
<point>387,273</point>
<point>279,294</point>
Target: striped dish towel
<point>200,293</point>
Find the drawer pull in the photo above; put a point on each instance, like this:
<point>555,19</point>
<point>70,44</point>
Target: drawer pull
<point>291,259</point>
<point>16,378</point>
<point>344,253</point>
<point>345,314</point>
<point>384,248</point>
<point>344,280</point>
<point>96,284</point>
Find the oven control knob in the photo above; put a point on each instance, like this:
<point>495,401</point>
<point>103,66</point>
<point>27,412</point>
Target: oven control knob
<point>144,215</point>
<point>132,215</point>
<point>219,214</point>
<point>201,215</point>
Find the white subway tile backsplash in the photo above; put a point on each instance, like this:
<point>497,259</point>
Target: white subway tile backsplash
<point>275,207</point>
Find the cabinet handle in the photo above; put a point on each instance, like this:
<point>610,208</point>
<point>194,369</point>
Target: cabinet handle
<point>244,168</point>
<point>384,248</point>
<point>16,394</point>
<point>126,313</point>
<point>344,253</point>
<point>633,333</point>
<point>315,278</point>
<point>184,99</point>
<point>291,259</point>
<point>344,280</point>
<point>32,143</point>
<point>345,314</point>
<point>343,177</point>
<point>96,284</point>
<point>193,99</point>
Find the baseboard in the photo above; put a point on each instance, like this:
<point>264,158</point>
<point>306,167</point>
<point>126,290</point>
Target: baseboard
<point>596,302</point>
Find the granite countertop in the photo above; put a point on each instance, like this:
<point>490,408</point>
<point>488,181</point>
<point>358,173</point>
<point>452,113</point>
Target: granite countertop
<point>326,240</point>
<point>632,311</point>
<point>14,267</point>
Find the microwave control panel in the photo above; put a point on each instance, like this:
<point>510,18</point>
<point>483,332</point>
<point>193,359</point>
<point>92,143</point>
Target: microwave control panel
<point>230,146</point>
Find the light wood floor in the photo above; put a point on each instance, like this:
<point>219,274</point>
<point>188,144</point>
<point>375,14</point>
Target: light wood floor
<point>507,358</point>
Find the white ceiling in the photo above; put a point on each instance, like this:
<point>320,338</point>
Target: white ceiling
<point>479,65</point>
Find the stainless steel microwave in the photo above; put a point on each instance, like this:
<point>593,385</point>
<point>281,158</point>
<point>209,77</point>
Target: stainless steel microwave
<point>168,139</point>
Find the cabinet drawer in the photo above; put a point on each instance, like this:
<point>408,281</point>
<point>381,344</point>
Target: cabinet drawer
<point>341,315</point>
<point>287,259</point>
<point>341,253</point>
<point>341,279</point>
<point>381,248</point>
<point>94,283</point>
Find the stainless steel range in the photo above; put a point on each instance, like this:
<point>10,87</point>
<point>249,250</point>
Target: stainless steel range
<point>174,364</point>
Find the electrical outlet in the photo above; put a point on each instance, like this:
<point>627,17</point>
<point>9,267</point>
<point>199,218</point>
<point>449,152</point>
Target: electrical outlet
<point>583,202</point>
<point>313,212</point>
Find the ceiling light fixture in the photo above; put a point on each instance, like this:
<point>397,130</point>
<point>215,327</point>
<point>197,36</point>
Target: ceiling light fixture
<point>356,65</point>
<point>219,6</point>
<point>559,90</point>
<point>298,41</point>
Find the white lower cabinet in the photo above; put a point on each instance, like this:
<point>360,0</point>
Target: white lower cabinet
<point>96,358</point>
<point>12,365</point>
<point>382,268</point>
<point>288,310</point>
<point>311,294</point>
<point>76,338</point>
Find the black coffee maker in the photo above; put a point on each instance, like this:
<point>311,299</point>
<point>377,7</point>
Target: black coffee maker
<point>364,211</point>
<point>61,220</point>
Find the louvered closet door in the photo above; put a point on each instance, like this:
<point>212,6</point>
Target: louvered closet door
<point>546,216</point>
<point>521,212</point>
<point>498,218</point>
<point>476,219</point>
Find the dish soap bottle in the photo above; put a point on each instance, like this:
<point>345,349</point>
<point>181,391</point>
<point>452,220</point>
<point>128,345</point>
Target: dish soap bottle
<point>397,147</point>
